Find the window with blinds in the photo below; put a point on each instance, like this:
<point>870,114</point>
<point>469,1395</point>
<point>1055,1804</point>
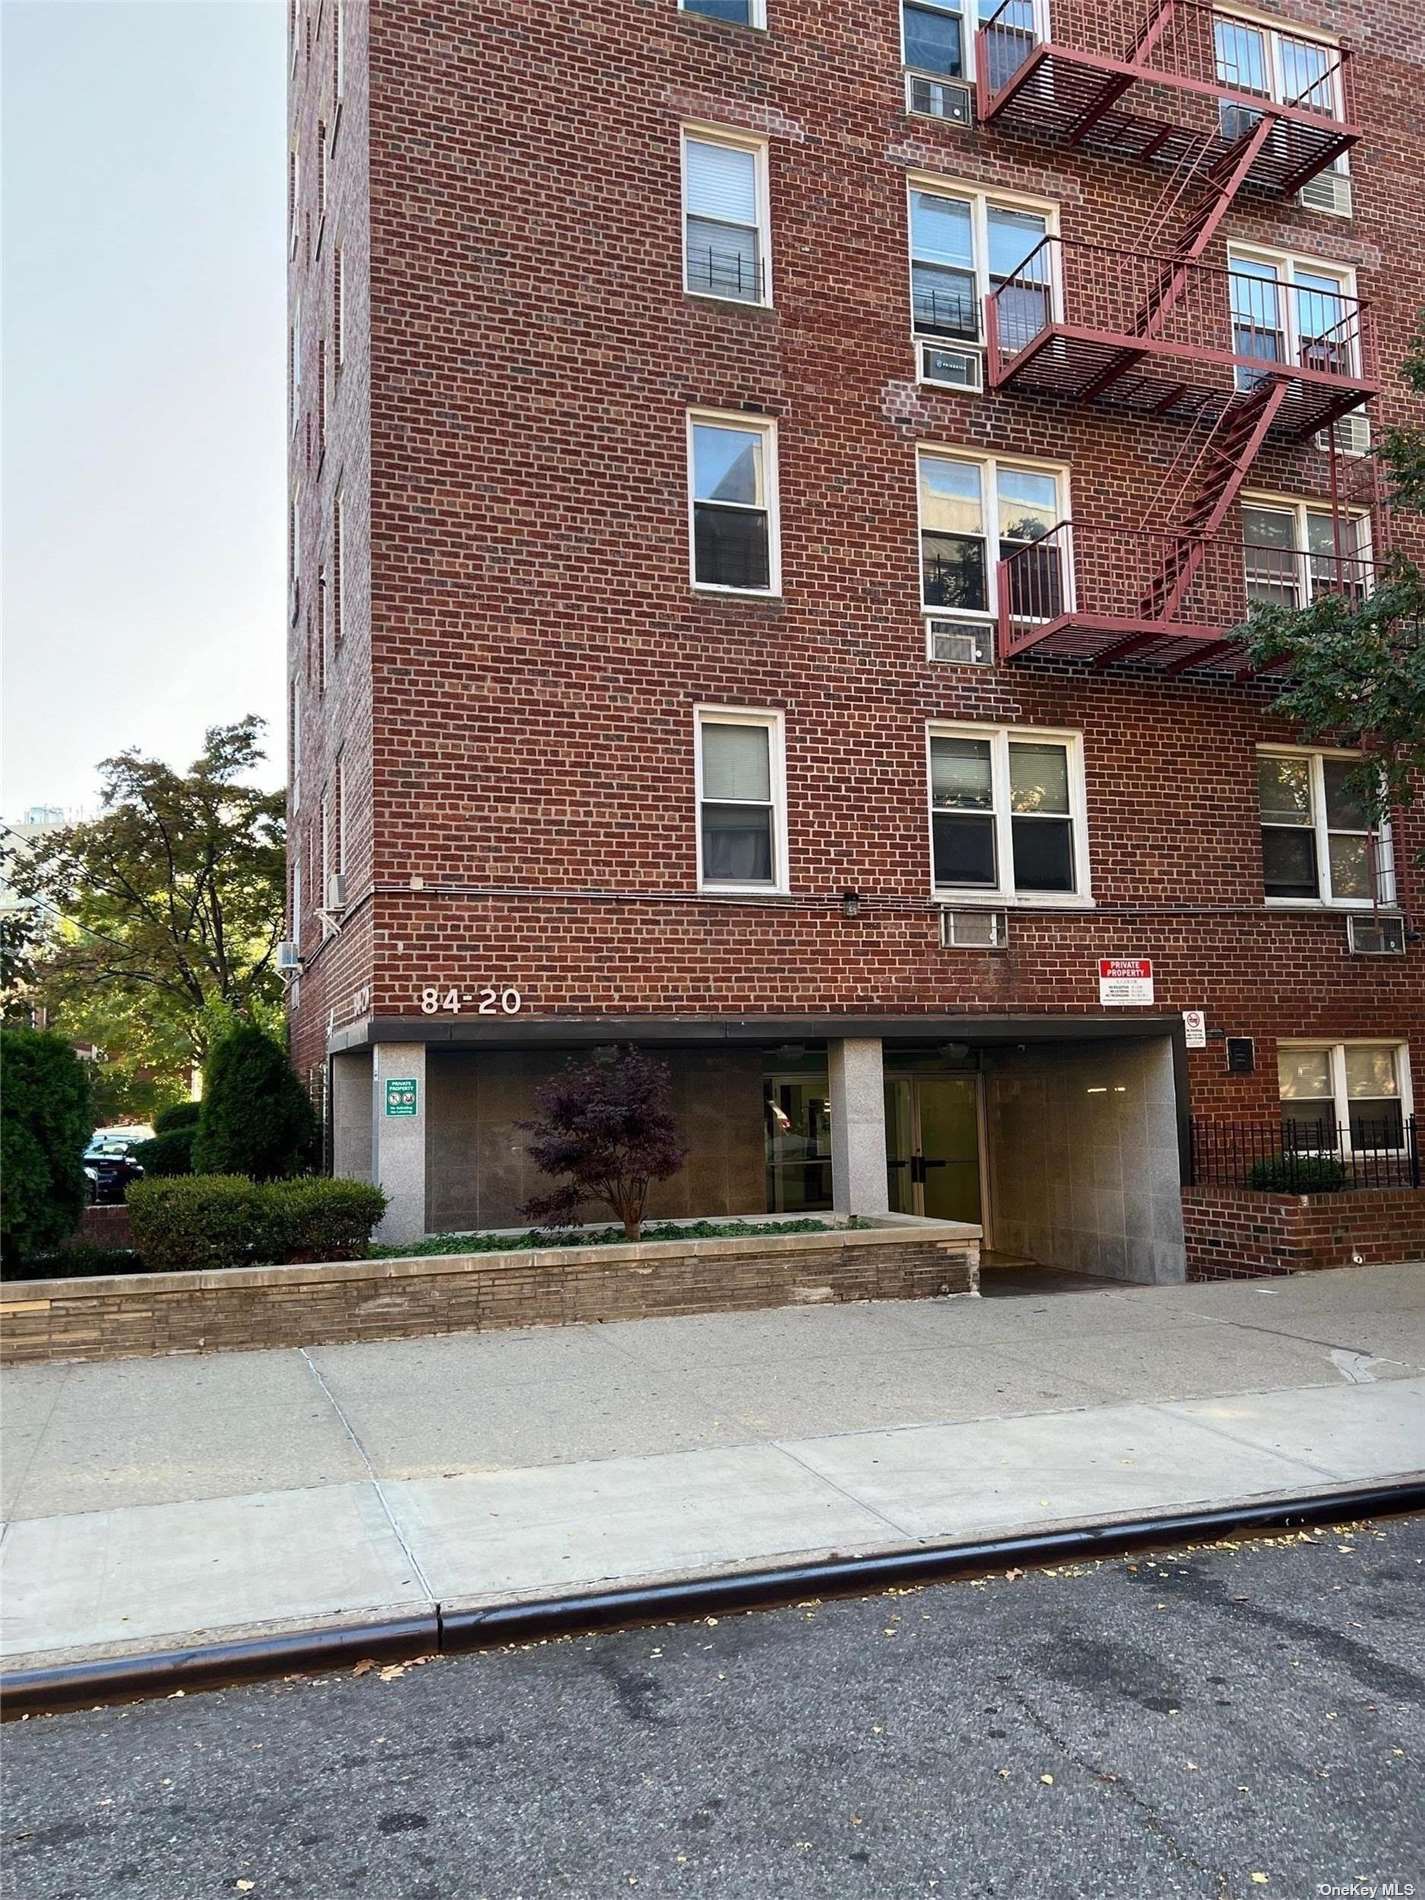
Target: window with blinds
<point>725,239</point>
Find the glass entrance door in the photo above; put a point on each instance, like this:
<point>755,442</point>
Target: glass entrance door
<point>933,1146</point>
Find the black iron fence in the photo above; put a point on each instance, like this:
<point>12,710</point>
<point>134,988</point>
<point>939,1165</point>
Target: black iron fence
<point>1306,1156</point>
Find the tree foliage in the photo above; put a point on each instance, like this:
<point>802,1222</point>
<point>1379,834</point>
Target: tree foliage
<point>255,1117</point>
<point>1355,668</point>
<point>607,1124</point>
<point>45,1123</point>
<point>170,905</point>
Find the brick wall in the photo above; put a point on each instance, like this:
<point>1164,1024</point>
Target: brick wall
<point>133,1315</point>
<point>524,656</point>
<point>1232,1233</point>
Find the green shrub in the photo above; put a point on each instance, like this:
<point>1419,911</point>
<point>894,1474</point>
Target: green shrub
<point>177,1115</point>
<point>46,1119</point>
<point>254,1118</point>
<point>169,1153</point>
<point>317,1219</point>
<point>226,1220</point>
<point>1298,1174</point>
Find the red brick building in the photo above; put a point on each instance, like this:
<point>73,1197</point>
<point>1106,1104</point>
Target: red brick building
<point>770,487</point>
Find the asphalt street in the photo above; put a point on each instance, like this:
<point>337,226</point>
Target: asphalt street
<point>1244,1719</point>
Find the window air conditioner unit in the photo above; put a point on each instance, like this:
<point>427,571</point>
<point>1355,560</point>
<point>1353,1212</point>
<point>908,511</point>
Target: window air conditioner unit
<point>974,929</point>
<point>961,642</point>
<point>1352,433</point>
<point>289,960</point>
<point>951,368</point>
<point>336,891</point>
<point>1372,935</point>
<point>1329,192</point>
<point>937,98</point>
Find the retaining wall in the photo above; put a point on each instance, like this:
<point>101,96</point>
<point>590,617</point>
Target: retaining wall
<point>142,1314</point>
<point>1233,1233</point>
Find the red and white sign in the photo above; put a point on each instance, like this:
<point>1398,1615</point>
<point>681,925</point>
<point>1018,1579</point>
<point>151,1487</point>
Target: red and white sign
<point>1125,980</point>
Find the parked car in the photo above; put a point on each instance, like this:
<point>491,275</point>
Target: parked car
<point>109,1166</point>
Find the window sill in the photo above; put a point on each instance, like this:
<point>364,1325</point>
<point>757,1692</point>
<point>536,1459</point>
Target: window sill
<point>721,592</point>
<point>777,893</point>
<point>728,303</point>
<point>711,19</point>
<point>988,900</point>
<point>1331,906</point>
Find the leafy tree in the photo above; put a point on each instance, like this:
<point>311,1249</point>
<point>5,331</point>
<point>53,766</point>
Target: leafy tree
<point>1355,668</point>
<point>171,904</point>
<point>45,1124</point>
<point>255,1117</point>
<point>608,1125</point>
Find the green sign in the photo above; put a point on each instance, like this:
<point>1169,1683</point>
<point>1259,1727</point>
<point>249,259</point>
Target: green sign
<point>401,1097</point>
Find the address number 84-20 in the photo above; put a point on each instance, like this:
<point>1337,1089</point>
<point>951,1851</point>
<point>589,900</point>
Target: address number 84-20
<point>489,1001</point>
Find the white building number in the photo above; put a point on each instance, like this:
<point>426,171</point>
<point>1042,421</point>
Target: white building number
<point>489,1001</point>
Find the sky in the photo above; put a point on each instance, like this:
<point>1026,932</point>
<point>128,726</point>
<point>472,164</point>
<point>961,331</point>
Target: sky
<point>144,324</point>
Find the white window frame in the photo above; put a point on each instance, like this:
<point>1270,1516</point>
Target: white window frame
<point>338,307</point>
<point>338,570</point>
<point>1340,1100</point>
<point>338,63</point>
<point>766,426</point>
<point>981,198</point>
<point>1299,507</point>
<point>339,781</point>
<point>756,16</point>
<point>294,375</point>
<point>295,747</point>
<point>1385,851</point>
<point>989,466</point>
<point>775,724</point>
<point>1274,29</point>
<point>970,25</point>
<point>1287,263</point>
<point>966,896</point>
<point>740,142</point>
<point>294,233</point>
<point>295,555</point>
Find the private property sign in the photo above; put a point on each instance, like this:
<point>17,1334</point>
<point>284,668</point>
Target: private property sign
<point>1125,980</point>
<point>401,1097</point>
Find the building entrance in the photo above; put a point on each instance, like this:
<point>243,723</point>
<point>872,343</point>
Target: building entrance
<point>933,1146</point>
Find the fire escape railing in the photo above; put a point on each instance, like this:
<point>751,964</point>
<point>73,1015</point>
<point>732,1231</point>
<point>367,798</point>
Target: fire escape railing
<point>1119,585</point>
<point>1182,43</point>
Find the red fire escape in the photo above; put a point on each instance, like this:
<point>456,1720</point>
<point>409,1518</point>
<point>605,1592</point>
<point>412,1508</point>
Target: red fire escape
<point>1239,356</point>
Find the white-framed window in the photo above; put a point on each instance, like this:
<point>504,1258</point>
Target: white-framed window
<point>295,536</point>
<point>734,12</point>
<point>1301,311</point>
<point>966,243</point>
<point>324,602</point>
<point>1008,819</point>
<point>732,503</point>
<point>938,36</point>
<point>1275,62</point>
<point>324,833</point>
<point>741,799</point>
<point>1317,843</point>
<point>321,182</point>
<point>294,198</point>
<point>727,249</point>
<point>978,510</point>
<point>339,782</point>
<point>1291,553</point>
<point>1355,1094</point>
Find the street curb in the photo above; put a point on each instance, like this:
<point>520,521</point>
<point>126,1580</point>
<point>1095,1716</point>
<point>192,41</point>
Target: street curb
<point>77,1685</point>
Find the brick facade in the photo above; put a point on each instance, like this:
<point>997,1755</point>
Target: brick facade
<point>1233,1234</point>
<point>513,697</point>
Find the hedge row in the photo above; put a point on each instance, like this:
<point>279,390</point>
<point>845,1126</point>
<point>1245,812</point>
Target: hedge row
<point>225,1220</point>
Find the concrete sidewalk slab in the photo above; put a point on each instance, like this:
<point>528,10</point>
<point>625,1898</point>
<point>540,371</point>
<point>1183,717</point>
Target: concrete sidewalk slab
<point>154,1431</point>
<point>540,1531</point>
<point>1352,1433</point>
<point>859,1392</point>
<point>158,1570</point>
<point>936,1481</point>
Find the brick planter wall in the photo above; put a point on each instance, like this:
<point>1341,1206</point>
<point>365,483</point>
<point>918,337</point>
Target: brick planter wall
<point>1232,1233</point>
<point>142,1314</point>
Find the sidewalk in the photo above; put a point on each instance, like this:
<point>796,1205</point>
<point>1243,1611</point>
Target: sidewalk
<point>152,1501</point>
